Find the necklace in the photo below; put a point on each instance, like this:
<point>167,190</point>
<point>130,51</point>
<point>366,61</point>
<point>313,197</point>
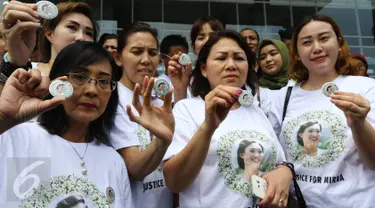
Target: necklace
<point>83,165</point>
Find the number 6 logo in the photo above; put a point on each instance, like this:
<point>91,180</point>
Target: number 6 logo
<point>23,177</point>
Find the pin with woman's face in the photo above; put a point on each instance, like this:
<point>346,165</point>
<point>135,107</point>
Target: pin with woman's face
<point>329,89</point>
<point>110,194</point>
<point>161,87</point>
<point>59,88</point>
<point>184,59</point>
<point>246,98</point>
<point>47,10</point>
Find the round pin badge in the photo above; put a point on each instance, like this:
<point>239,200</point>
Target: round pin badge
<point>246,98</point>
<point>161,87</point>
<point>329,89</point>
<point>59,88</point>
<point>110,194</point>
<point>46,9</point>
<point>184,59</point>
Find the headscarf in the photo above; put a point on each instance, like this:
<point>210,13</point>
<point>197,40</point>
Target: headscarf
<point>279,80</point>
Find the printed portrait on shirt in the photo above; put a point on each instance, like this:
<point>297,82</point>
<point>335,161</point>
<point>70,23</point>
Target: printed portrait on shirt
<point>242,154</point>
<point>73,201</point>
<point>66,191</point>
<point>315,138</point>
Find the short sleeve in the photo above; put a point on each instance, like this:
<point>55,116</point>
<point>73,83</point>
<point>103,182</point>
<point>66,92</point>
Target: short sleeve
<point>369,94</point>
<point>124,132</point>
<point>124,198</point>
<point>184,131</point>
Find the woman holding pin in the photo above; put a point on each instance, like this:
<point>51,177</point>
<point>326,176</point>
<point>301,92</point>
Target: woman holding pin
<point>138,57</point>
<point>339,107</point>
<point>74,21</point>
<point>210,128</point>
<point>179,68</point>
<point>69,137</point>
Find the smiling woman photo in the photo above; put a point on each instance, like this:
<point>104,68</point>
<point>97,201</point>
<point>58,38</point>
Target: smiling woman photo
<point>249,158</point>
<point>308,136</point>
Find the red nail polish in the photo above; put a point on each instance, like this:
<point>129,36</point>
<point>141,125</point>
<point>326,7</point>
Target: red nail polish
<point>239,90</point>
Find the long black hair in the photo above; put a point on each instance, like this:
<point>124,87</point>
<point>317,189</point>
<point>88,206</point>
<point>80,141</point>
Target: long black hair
<point>71,59</point>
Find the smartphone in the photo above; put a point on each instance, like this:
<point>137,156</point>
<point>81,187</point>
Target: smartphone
<point>259,186</point>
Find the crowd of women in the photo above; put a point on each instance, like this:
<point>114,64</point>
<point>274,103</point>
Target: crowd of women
<point>114,143</point>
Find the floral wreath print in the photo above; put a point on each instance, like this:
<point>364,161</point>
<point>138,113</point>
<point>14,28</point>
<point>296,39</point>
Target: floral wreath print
<point>315,138</point>
<point>52,189</point>
<point>144,142</point>
<point>142,136</point>
<point>231,158</point>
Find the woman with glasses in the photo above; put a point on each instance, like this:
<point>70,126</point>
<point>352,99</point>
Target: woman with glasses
<point>68,152</point>
<point>138,57</point>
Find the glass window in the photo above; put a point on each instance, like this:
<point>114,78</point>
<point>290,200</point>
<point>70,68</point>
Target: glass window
<point>365,21</point>
<point>251,14</point>
<point>278,15</point>
<point>300,12</point>
<point>225,12</point>
<point>146,10</point>
<point>345,18</point>
<point>184,12</point>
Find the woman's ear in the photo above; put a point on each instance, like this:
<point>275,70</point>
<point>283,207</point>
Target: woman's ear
<point>203,70</point>
<point>241,155</point>
<point>117,58</point>
<point>49,36</point>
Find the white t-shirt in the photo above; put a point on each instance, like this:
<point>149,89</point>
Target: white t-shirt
<point>30,158</point>
<point>266,98</point>
<point>329,170</point>
<point>243,143</point>
<point>152,192</point>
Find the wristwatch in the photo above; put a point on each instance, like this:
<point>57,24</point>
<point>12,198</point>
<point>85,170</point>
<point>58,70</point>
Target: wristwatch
<point>7,68</point>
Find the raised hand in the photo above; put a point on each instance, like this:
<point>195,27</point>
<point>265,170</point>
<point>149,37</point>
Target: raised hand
<point>355,106</point>
<point>19,24</point>
<point>180,75</point>
<point>218,103</point>
<point>157,120</point>
<point>22,96</point>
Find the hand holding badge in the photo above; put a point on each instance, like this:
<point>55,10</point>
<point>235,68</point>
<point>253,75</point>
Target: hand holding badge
<point>47,10</point>
<point>329,89</point>
<point>60,88</point>
<point>159,121</point>
<point>355,106</point>
<point>23,95</point>
<point>246,98</point>
<point>161,87</point>
<point>19,23</point>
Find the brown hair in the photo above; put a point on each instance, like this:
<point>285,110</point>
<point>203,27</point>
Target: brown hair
<point>215,24</point>
<point>298,70</point>
<point>50,25</point>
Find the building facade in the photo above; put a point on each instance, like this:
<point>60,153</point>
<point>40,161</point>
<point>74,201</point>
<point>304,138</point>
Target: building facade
<point>355,17</point>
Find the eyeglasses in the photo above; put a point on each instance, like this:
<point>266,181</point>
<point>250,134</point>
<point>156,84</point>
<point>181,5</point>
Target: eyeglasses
<point>103,83</point>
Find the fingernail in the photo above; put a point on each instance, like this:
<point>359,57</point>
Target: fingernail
<point>30,80</point>
<point>239,90</point>
<point>237,95</point>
